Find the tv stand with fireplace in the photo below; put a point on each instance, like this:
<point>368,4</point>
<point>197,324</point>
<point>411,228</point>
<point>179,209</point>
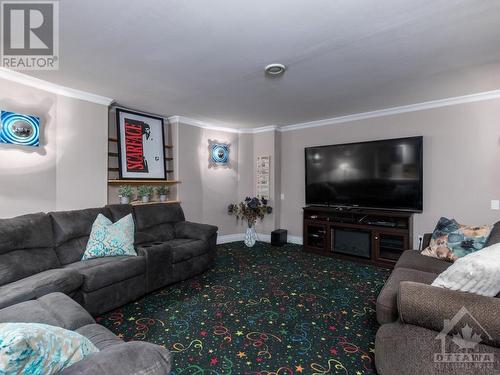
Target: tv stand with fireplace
<point>367,235</point>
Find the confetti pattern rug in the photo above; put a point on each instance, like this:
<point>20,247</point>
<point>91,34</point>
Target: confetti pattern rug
<point>262,311</point>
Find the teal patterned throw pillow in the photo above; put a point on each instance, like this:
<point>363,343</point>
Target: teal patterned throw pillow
<point>109,239</point>
<point>40,349</point>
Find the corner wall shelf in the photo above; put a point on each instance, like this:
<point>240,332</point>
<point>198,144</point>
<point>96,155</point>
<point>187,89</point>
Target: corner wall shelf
<point>143,182</point>
<point>139,203</point>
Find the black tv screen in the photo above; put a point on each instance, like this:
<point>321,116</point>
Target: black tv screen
<point>384,174</point>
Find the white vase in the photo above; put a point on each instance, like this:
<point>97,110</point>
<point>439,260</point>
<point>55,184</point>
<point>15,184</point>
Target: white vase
<point>124,200</point>
<point>163,198</point>
<point>145,199</point>
<point>250,237</point>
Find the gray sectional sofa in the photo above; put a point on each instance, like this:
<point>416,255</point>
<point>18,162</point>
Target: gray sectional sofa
<point>115,357</point>
<point>42,276</point>
<point>41,254</point>
<point>412,315</point>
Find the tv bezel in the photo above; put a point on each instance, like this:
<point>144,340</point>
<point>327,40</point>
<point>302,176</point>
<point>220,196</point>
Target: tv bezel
<point>400,209</point>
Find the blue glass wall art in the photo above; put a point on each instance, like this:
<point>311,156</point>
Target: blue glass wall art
<point>19,129</point>
<point>218,154</point>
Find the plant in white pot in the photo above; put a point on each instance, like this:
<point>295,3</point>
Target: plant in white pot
<point>144,192</point>
<point>162,192</point>
<point>124,193</point>
<point>251,209</point>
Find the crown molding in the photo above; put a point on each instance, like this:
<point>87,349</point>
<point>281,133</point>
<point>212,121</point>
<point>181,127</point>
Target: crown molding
<point>471,98</point>
<point>41,84</point>
<point>262,129</point>
<point>206,125</point>
<point>477,97</point>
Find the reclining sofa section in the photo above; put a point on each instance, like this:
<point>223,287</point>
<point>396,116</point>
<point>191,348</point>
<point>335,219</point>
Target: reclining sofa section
<point>41,254</point>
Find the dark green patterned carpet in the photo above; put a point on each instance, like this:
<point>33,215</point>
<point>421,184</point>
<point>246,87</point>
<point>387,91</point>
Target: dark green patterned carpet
<point>262,311</point>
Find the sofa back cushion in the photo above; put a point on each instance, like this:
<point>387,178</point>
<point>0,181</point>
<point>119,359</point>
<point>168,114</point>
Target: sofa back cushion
<point>494,235</point>
<point>26,247</point>
<point>72,230</point>
<point>119,211</point>
<point>158,220</point>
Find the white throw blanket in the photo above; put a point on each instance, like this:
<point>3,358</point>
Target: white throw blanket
<point>478,273</point>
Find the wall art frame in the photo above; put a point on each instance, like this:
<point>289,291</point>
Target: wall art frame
<point>141,146</point>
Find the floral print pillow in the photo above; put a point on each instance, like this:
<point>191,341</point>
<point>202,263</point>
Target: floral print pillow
<point>451,240</point>
<point>109,239</point>
<point>33,348</point>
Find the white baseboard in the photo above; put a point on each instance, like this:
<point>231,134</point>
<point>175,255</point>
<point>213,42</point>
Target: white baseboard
<point>260,237</point>
<point>230,238</point>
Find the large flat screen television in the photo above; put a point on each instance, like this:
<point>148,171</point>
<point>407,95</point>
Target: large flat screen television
<point>384,174</point>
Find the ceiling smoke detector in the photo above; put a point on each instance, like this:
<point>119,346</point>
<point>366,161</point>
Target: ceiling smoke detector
<point>275,69</point>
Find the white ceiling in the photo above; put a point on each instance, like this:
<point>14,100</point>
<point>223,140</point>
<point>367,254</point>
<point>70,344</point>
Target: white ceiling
<point>204,59</point>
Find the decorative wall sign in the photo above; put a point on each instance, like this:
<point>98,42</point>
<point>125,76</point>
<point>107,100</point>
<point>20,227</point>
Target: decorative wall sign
<point>218,154</point>
<point>19,129</point>
<point>263,177</point>
<point>141,146</point>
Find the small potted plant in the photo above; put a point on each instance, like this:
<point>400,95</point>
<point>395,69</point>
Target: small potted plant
<point>162,192</point>
<point>144,192</point>
<point>124,193</point>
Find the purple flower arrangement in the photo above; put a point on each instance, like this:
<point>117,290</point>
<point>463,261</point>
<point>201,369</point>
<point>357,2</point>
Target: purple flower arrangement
<point>250,209</point>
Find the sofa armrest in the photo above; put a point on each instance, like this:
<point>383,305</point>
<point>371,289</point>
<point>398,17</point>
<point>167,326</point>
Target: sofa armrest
<point>429,306</point>
<point>132,358</point>
<point>195,231</point>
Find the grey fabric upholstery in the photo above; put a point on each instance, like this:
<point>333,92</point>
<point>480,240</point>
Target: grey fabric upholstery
<point>72,230</point>
<point>101,272</point>
<point>158,220</point>
<point>404,349</point>
<point>192,267</point>
<point>387,310</point>
<point>428,306</point>
<point>169,250</point>
<point>119,211</point>
<point>114,358</point>
<point>184,249</point>
<point>100,336</point>
<point>414,260</point>
<point>55,309</point>
<point>26,247</point>
<point>186,229</point>
<point>50,281</point>
<point>494,235</point>
<point>113,296</point>
<point>132,358</point>
<point>158,257</point>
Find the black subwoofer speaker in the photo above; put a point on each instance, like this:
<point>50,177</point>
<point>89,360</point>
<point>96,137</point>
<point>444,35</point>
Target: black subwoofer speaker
<point>278,237</point>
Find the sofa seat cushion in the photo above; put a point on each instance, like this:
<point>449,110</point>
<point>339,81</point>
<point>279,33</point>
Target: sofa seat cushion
<point>101,272</point>
<point>184,249</point>
<point>50,281</point>
<point>387,301</point>
<point>412,259</point>
<point>56,309</point>
<point>100,336</point>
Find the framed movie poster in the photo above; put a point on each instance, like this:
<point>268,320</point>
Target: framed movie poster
<point>141,146</point>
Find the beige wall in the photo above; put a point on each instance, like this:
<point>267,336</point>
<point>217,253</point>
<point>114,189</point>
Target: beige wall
<point>206,192</point>
<point>461,166</point>
<point>68,170</point>
<point>461,160</point>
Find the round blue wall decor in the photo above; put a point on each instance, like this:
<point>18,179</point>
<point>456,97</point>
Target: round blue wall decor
<point>218,154</point>
<point>19,129</point>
